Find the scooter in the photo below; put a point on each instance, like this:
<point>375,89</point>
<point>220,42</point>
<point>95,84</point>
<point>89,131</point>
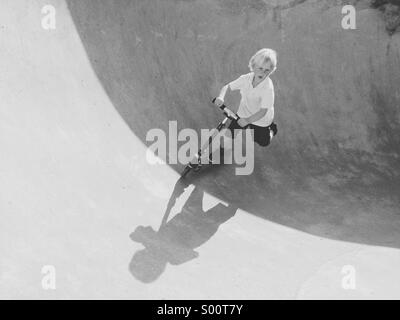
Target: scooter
<point>195,164</point>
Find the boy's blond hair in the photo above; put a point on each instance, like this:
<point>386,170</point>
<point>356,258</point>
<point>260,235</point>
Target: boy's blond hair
<point>263,56</point>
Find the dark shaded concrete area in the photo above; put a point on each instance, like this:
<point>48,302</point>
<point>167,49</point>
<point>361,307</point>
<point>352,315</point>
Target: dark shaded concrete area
<point>333,170</point>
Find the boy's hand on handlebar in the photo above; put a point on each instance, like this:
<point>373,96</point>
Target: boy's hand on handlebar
<point>229,113</point>
<point>243,122</point>
<point>218,102</point>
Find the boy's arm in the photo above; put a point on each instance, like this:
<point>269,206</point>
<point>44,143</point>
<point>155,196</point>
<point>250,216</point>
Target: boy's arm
<point>234,85</point>
<point>257,116</point>
<point>222,94</point>
<point>267,102</point>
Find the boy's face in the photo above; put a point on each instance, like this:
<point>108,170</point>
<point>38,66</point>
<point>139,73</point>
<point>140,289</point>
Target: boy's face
<point>264,70</point>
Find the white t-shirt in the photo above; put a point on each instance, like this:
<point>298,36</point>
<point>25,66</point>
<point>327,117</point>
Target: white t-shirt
<point>254,99</point>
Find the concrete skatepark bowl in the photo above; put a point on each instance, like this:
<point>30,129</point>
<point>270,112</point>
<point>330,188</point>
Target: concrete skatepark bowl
<point>79,100</point>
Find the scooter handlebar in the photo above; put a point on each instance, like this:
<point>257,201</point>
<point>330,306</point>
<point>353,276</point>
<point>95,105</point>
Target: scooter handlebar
<point>223,107</point>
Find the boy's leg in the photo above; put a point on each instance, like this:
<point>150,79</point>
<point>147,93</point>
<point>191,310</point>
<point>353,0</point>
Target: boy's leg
<point>264,135</point>
<point>221,150</point>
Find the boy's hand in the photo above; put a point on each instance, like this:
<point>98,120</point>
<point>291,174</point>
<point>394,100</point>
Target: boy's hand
<point>218,102</point>
<point>243,122</point>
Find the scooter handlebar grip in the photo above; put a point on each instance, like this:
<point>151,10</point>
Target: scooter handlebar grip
<point>236,117</point>
<point>223,107</point>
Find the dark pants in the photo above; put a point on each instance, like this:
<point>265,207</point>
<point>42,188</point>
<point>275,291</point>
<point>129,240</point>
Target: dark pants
<point>261,134</point>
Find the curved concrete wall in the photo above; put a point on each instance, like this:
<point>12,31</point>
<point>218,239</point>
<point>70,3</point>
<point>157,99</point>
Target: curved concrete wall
<point>336,97</point>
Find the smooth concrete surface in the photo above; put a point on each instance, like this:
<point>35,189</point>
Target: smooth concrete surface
<point>78,194</point>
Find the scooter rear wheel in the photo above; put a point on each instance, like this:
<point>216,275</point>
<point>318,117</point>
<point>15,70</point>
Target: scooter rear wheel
<point>185,171</point>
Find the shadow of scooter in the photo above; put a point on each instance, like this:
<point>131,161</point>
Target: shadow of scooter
<point>176,239</point>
